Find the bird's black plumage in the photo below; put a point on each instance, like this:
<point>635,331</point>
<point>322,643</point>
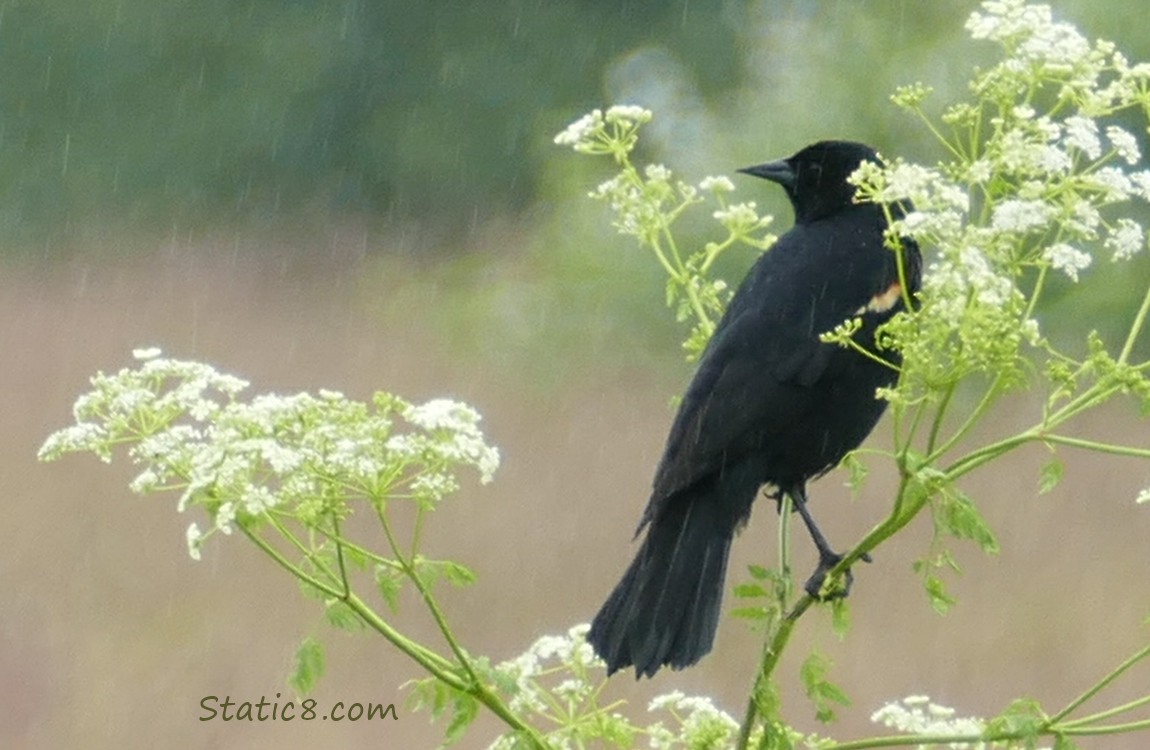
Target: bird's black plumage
<point>769,404</point>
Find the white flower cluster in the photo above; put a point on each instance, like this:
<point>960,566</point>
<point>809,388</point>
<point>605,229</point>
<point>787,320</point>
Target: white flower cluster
<point>917,715</point>
<point>569,655</point>
<point>700,723</point>
<point>240,459</point>
<point>1027,188</point>
<point>1094,74</point>
<point>1043,174</point>
<point>453,435</point>
<point>741,218</point>
<point>639,203</point>
<point>558,680</point>
<point>589,133</point>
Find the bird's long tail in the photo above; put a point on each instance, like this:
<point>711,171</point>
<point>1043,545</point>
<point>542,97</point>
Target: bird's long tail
<point>666,609</point>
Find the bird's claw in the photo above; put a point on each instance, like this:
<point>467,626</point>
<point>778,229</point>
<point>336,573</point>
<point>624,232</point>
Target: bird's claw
<point>838,588</point>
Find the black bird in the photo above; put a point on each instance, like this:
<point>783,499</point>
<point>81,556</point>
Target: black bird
<point>769,405</point>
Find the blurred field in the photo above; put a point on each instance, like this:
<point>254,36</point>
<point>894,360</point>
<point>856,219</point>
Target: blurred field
<point>110,636</point>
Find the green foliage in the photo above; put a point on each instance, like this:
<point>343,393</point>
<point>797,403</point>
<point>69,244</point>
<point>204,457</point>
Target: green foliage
<point>1023,719</point>
<point>309,666</point>
<point>856,471</point>
<point>342,617</point>
<point>646,206</point>
<point>439,699</point>
<point>1050,476</point>
<point>823,693</point>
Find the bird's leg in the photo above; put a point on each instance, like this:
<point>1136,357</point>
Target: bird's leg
<point>828,558</point>
<point>777,496</point>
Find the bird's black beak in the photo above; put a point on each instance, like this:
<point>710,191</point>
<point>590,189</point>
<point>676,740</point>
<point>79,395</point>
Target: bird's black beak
<point>776,171</point>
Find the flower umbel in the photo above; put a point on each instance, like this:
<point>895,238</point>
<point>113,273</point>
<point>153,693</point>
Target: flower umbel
<point>299,455</point>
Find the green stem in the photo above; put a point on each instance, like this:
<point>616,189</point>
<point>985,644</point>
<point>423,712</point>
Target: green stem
<point>427,658</point>
<point>289,566</point>
<point>872,356</point>
<point>771,656</point>
<point>929,740</point>
<point>936,423</point>
<point>435,664</point>
<point>475,686</point>
<point>1091,445</point>
<point>1135,328</point>
<point>339,556</point>
<point>986,453</point>
<point>900,516</point>
<point>771,643</point>
<point>1132,726</point>
<point>428,599</point>
<point>447,676</point>
<point>972,419</point>
<point>1100,685</point>
<point>1094,718</point>
<point>662,258</point>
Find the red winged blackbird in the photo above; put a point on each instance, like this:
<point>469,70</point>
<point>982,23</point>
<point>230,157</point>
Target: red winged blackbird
<point>769,405</point>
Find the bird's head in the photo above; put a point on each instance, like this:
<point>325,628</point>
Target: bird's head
<point>816,177</point>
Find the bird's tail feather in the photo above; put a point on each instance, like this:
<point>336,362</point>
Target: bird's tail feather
<point>665,610</point>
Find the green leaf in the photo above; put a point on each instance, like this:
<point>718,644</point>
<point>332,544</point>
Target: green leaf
<point>389,580</point>
<point>355,558</point>
<point>464,710</point>
<point>840,617</point>
<point>767,699</point>
<point>340,615</point>
<point>856,472</point>
<point>759,573</point>
<point>940,601</point>
<point>750,613</point>
<point>430,571</point>
<point>750,591</point>
<point>959,516</point>
<point>776,736</point>
<point>430,694</point>
<point>822,692</point>
<point>1050,476</point>
<point>457,574</point>
<point>1024,717</point>
<point>309,666</point>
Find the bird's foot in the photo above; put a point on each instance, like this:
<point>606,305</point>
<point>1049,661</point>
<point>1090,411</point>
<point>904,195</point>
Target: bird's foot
<point>820,588</point>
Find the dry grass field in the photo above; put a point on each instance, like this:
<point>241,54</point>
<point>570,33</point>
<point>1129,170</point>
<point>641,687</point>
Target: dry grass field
<point>110,635</point>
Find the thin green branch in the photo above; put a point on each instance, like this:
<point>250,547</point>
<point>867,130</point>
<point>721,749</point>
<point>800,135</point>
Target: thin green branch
<point>939,414</point>
<point>1135,328</point>
<point>428,600</point>
<point>906,740</point>
<point>776,642</point>
<point>1115,711</point>
<point>975,416</point>
<point>1133,726</point>
<point>1100,685</point>
<point>287,565</point>
<point>475,685</point>
<point>424,656</point>
<point>1095,446</point>
<point>339,556</point>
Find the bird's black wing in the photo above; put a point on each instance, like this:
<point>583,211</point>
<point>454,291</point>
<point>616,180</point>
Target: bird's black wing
<point>754,380</point>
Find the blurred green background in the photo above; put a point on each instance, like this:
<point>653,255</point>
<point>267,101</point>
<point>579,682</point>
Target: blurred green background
<point>364,195</point>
